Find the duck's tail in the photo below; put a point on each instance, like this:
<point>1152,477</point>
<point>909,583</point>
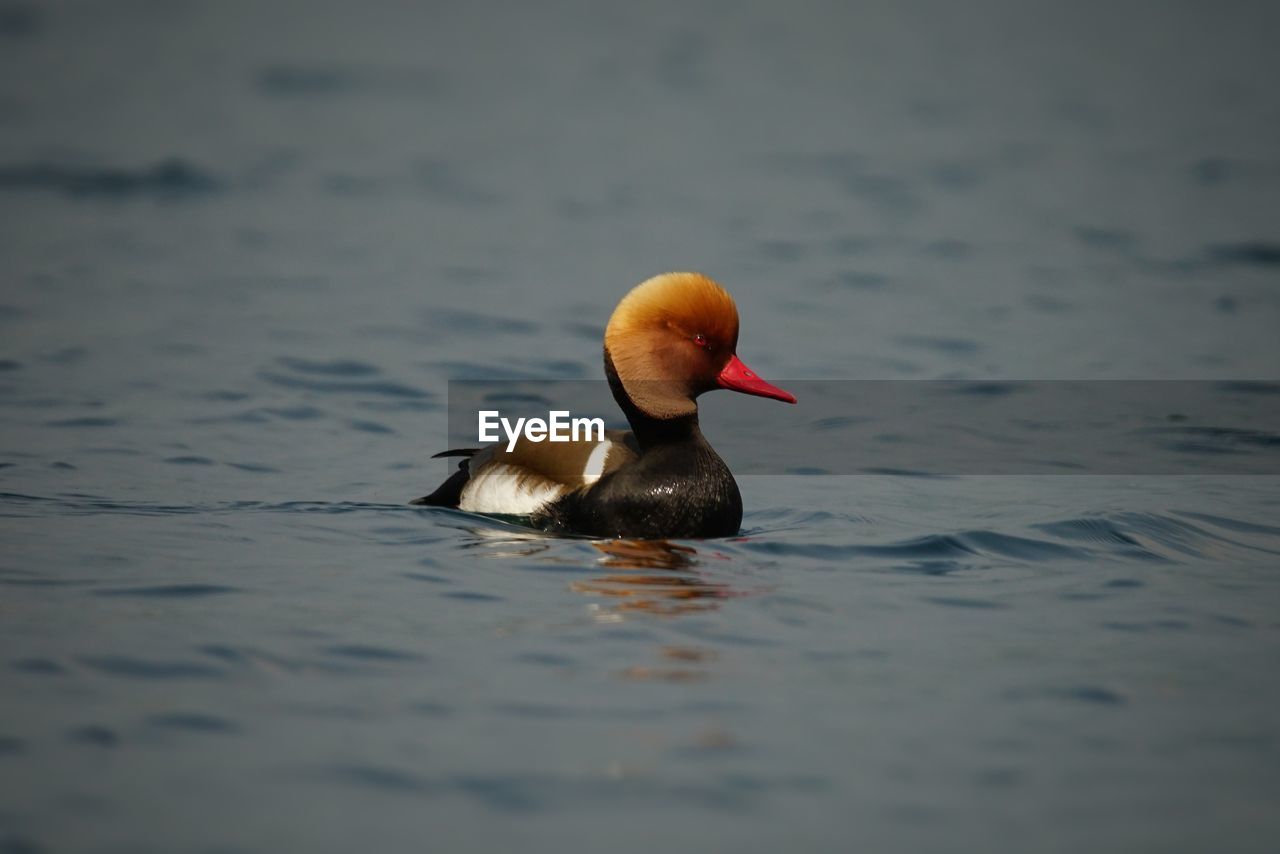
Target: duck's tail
<point>449,493</point>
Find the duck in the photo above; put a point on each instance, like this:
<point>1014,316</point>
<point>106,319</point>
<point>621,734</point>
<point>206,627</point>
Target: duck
<point>671,338</point>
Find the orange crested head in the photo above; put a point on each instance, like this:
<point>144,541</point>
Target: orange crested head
<point>672,338</point>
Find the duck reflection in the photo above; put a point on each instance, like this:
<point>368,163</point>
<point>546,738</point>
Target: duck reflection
<point>678,589</point>
<point>659,578</point>
<point>640,577</point>
<point>508,540</point>
<point>643,576</point>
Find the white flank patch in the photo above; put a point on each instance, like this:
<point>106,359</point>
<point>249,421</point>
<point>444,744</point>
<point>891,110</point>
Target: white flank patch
<point>501,489</point>
<point>595,463</point>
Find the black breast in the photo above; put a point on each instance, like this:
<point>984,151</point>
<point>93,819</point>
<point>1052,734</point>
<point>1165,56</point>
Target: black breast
<point>675,489</point>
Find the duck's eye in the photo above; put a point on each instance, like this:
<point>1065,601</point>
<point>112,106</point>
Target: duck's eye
<point>701,341</point>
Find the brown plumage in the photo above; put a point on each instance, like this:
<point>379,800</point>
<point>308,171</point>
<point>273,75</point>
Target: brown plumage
<point>648,340</point>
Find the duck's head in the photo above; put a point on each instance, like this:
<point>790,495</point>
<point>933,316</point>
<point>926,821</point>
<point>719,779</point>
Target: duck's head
<point>674,337</point>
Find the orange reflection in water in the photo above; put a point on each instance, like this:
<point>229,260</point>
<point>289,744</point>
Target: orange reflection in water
<point>660,578</point>
<point>681,589</point>
<point>641,577</point>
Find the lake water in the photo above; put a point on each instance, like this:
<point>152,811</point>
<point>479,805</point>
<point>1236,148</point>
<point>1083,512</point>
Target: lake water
<point>247,245</point>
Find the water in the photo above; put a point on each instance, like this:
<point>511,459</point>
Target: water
<point>247,245</point>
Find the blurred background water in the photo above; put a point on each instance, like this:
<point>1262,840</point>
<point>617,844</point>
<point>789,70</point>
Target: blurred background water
<point>247,244</point>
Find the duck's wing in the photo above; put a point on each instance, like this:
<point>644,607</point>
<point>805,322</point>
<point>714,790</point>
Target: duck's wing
<point>523,480</point>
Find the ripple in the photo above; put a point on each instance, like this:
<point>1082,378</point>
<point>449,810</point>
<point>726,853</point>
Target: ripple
<point>142,668</point>
<point>372,427</point>
<point>38,666</point>
<point>1248,387</point>
<point>593,332</point>
<point>255,468</point>
<point>516,399</point>
<point>644,673</point>
<point>445,181</point>
<point>934,567</point>
<point>546,659</point>
<point>1111,239</point>
<point>1133,536</point>
<point>83,505</point>
<point>334,507</point>
<point>1104,531</point>
<point>169,591</point>
<point>94,735</point>
<point>948,249</point>
<point>251,658</point>
<point>29,581</point>
<point>1153,536</point>
<point>480,371</point>
<point>930,546</point>
<point>1143,626</point>
<point>729,792</point>
<point>293,413</point>
<point>380,777</point>
<point>1091,694</point>
<point>89,421</point>
<point>784,251</point>
<point>862,280</point>
<point>562,712</point>
<point>165,179</point>
<point>837,422</point>
<point>900,472</point>
<point>861,179</point>
<point>320,81</point>
<point>335,368</point>
<point>1255,253</point>
<point>368,652</point>
<point>1233,524</point>
<point>474,322</point>
<point>380,388</point>
<point>1214,440</point>
<point>985,389</point>
<point>468,596</point>
<point>193,722</point>
<point>1095,529</point>
<point>1024,548</point>
<point>966,602</point>
<point>946,346</point>
<point>64,356</point>
<point>294,81</point>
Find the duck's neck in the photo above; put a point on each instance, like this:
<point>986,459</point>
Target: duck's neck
<point>650,431</point>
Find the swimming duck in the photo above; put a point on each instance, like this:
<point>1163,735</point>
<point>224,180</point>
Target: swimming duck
<point>670,339</point>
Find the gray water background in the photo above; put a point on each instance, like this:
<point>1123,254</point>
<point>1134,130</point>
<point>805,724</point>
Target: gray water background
<point>246,245</point>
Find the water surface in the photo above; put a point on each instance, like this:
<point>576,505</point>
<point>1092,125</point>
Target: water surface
<point>247,245</point>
